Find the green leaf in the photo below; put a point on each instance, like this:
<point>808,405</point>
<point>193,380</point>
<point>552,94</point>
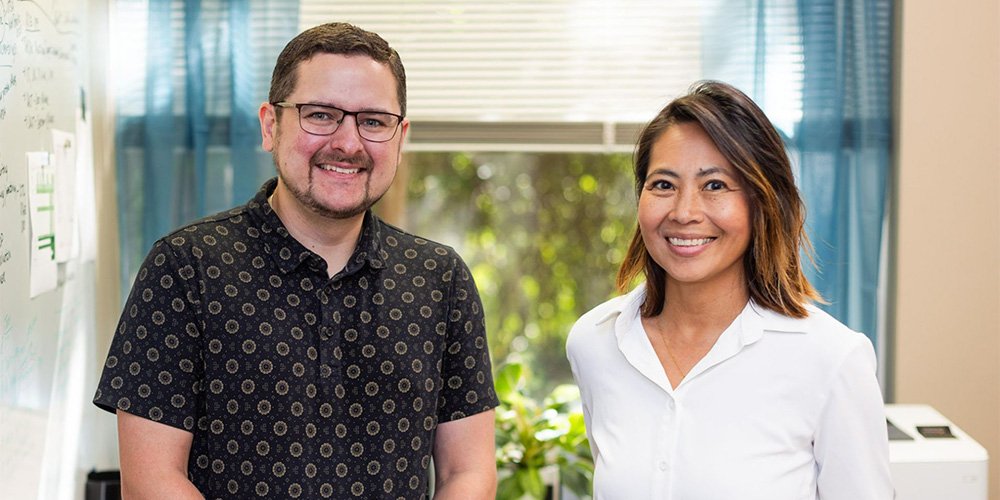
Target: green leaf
<point>561,395</point>
<point>509,488</point>
<point>531,481</point>
<point>576,479</point>
<point>507,380</point>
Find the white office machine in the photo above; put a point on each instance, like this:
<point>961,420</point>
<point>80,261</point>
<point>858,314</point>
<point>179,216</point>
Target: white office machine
<point>931,458</point>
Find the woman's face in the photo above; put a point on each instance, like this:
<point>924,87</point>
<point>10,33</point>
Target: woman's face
<point>694,215</point>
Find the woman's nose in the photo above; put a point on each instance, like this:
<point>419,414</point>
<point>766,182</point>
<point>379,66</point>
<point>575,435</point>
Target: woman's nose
<point>687,207</point>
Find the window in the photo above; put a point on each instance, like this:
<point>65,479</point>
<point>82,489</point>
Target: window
<point>543,234</point>
<point>510,102</point>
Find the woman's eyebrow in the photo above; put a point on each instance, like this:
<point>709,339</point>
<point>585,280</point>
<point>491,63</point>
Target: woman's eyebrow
<point>711,171</point>
<point>663,171</point>
<point>704,172</point>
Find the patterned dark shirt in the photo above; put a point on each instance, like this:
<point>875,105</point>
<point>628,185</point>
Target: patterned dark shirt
<point>296,384</point>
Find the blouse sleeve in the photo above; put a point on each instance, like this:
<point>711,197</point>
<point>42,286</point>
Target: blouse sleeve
<point>571,354</point>
<point>851,442</point>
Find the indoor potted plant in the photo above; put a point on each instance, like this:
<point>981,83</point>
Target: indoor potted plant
<point>540,444</point>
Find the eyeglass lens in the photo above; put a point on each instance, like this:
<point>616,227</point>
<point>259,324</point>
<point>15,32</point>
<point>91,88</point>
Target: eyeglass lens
<point>324,120</point>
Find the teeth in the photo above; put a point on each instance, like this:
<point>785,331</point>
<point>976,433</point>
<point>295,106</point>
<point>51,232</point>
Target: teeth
<point>339,170</point>
<point>689,243</point>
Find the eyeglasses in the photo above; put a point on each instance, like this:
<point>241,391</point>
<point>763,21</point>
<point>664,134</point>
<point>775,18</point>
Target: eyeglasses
<point>316,119</point>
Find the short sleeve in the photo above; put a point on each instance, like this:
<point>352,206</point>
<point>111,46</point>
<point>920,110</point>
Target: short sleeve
<point>466,370</point>
<point>851,442</point>
<point>154,367</point>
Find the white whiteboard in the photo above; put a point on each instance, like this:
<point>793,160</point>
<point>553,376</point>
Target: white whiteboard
<point>47,342</point>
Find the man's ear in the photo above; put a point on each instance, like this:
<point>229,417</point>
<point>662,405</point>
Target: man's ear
<point>268,124</point>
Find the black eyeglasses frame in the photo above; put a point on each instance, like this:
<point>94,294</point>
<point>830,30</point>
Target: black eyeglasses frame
<point>298,108</point>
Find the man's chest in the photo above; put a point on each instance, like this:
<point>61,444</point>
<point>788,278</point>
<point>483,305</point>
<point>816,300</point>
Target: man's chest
<point>297,336</point>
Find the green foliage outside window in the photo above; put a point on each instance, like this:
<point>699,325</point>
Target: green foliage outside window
<point>543,234</point>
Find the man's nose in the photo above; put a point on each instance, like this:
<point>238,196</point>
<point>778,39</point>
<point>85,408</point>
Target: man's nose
<point>346,138</point>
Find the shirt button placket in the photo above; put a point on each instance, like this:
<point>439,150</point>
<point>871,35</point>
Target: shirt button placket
<point>329,336</point>
<point>663,463</point>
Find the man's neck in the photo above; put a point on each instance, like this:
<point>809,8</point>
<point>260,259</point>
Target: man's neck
<point>332,239</point>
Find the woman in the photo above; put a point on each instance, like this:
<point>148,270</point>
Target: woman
<point>716,378</point>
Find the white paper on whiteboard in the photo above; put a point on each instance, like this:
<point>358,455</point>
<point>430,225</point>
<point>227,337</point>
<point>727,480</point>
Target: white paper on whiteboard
<point>63,163</point>
<point>41,206</point>
<point>86,199</point>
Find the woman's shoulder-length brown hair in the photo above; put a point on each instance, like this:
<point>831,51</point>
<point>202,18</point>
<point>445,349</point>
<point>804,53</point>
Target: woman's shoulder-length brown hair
<point>753,147</point>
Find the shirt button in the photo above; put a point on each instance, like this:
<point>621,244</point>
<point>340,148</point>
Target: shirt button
<point>663,465</point>
<point>672,404</point>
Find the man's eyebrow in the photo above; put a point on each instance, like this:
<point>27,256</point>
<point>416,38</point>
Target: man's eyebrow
<point>328,105</point>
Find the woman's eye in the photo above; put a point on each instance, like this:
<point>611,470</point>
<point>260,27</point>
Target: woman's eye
<point>715,185</point>
<point>660,185</point>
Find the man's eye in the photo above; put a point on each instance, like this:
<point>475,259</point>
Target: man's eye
<point>320,116</point>
<point>372,122</point>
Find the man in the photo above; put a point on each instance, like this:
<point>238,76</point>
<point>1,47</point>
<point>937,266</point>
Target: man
<point>298,346</point>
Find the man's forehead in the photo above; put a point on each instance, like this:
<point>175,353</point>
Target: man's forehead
<point>356,75</point>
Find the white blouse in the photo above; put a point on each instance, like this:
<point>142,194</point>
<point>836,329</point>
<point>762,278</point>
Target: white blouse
<point>779,409</point>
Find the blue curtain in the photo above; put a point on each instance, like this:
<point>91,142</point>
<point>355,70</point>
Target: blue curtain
<point>187,135</point>
<point>844,140</point>
<point>821,70</point>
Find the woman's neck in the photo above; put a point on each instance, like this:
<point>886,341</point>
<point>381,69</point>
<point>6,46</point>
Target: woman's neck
<point>703,309</point>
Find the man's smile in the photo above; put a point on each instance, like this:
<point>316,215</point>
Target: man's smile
<point>339,170</point>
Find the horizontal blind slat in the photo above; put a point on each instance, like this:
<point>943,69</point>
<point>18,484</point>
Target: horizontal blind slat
<point>565,60</point>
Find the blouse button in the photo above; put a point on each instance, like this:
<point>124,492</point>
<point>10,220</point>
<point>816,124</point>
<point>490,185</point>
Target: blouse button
<point>664,465</point>
<point>672,404</point>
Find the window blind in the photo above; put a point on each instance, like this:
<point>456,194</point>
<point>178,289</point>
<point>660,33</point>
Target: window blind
<point>576,75</point>
<point>520,75</point>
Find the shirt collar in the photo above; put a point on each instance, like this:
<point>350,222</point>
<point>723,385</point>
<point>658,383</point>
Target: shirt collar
<point>748,328</point>
<point>626,310</point>
<point>754,318</point>
<point>289,254</point>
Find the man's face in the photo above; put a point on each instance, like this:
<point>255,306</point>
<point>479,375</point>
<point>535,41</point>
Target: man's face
<point>341,175</point>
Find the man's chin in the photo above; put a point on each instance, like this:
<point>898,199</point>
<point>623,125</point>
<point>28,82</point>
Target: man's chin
<point>340,214</point>
<point>343,213</point>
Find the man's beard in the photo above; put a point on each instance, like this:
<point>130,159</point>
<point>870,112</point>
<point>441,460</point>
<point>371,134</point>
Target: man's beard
<point>306,196</point>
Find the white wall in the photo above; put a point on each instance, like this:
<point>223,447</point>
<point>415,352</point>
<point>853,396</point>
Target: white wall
<point>947,305</point>
<point>103,424</point>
